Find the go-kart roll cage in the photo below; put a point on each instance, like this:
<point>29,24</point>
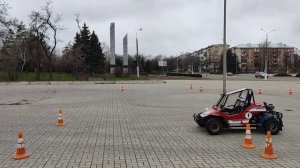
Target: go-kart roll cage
<point>223,99</point>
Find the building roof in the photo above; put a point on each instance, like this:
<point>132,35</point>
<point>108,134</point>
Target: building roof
<point>249,45</point>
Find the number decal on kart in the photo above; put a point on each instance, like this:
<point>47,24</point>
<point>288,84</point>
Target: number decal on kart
<point>248,115</point>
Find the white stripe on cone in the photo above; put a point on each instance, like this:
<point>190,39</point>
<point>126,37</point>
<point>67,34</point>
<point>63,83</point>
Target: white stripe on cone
<point>20,140</point>
<point>20,145</point>
<point>248,137</point>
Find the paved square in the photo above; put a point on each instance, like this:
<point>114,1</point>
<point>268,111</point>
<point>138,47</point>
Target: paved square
<point>147,125</point>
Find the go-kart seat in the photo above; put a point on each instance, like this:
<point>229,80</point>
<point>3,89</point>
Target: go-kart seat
<point>247,101</point>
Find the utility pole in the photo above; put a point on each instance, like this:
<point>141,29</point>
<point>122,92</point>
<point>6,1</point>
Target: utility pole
<point>267,48</point>
<point>236,64</point>
<point>177,63</point>
<point>224,52</point>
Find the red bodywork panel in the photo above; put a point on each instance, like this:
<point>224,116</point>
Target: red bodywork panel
<point>238,119</point>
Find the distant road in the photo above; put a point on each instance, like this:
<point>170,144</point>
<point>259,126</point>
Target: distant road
<point>249,77</point>
<point>241,77</point>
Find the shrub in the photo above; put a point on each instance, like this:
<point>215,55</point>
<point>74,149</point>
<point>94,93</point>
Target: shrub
<point>282,74</point>
<point>195,75</point>
<point>174,74</point>
<point>181,74</point>
<point>118,72</point>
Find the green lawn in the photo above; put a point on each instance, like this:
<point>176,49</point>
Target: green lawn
<point>30,76</point>
<point>114,78</point>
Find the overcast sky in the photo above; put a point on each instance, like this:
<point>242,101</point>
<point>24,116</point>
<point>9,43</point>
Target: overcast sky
<point>174,26</point>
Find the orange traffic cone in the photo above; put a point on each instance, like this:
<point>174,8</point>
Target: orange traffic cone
<point>290,91</point>
<point>60,121</point>
<point>268,152</point>
<point>259,91</point>
<point>122,88</point>
<point>191,86</point>
<point>201,88</point>
<point>248,140</point>
<point>21,153</point>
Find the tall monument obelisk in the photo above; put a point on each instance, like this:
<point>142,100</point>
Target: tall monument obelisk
<point>125,54</point>
<point>112,48</point>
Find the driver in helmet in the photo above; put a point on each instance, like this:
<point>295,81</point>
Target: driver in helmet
<point>239,105</point>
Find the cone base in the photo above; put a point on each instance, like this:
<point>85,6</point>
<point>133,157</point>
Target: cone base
<point>266,156</point>
<point>60,124</point>
<point>248,146</point>
<point>18,157</point>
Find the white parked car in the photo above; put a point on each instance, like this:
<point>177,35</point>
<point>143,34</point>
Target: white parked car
<point>261,75</point>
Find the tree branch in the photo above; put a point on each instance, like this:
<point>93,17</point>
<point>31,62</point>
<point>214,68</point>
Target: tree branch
<point>77,19</point>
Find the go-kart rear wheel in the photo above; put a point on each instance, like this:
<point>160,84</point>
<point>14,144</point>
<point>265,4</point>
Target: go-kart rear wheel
<point>214,126</point>
<point>272,125</point>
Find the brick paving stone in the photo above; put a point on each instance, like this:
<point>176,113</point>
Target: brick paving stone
<point>147,125</point>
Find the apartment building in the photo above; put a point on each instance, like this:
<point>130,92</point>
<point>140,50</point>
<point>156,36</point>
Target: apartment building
<point>281,57</point>
<point>251,58</point>
<point>209,58</point>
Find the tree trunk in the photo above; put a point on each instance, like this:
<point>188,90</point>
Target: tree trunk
<point>50,69</point>
<point>38,74</point>
<point>24,62</point>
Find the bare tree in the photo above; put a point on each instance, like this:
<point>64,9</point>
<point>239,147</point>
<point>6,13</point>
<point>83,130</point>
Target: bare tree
<point>23,54</point>
<point>22,43</point>
<point>8,59</point>
<point>78,60</point>
<point>77,19</point>
<point>6,24</point>
<point>3,19</point>
<point>52,23</point>
<point>73,60</point>
<point>10,44</point>
<point>37,30</point>
<point>46,25</point>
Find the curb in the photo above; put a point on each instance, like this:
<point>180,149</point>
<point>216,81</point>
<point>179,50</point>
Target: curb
<point>83,82</point>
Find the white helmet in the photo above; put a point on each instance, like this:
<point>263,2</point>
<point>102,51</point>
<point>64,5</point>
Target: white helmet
<point>241,101</point>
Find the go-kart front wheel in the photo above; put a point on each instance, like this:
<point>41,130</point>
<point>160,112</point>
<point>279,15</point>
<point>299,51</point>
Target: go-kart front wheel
<point>214,126</point>
<point>272,125</point>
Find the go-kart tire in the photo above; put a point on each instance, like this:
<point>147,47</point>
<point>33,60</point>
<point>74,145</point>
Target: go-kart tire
<point>201,125</point>
<point>214,126</point>
<point>272,125</point>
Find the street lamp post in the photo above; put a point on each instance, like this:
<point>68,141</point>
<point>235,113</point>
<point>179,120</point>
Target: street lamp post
<point>137,54</point>
<point>177,63</point>
<point>267,56</point>
<point>236,64</point>
<point>224,52</point>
